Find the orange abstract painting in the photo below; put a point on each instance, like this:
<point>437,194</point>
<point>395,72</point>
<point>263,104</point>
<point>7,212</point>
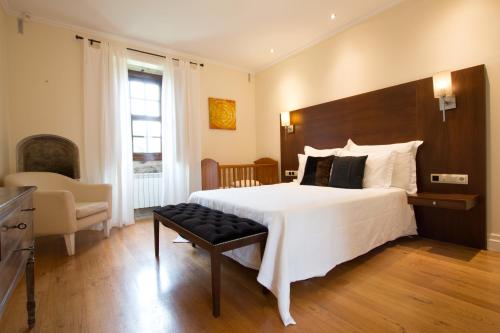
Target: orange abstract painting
<point>222,113</point>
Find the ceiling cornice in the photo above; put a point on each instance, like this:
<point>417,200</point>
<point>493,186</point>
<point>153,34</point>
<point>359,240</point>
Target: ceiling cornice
<point>154,47</point>
<point>134,43</point>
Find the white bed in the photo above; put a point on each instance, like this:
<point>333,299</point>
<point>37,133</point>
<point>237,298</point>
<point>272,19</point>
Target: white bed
<point>311,228</point>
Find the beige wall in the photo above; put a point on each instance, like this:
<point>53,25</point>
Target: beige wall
<point>410,41</point>
<point>45,83</point>
<point>3,96</point>
<point>224,145</point>
<point>45,67</point>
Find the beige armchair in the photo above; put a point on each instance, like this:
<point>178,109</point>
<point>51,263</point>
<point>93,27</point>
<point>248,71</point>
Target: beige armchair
<point>65,206</point>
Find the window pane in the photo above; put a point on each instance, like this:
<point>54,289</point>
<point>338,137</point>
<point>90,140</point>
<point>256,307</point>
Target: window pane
<point>152,108</point>
<point>139,128</point>
<point>136,89</point>
<point>154,145</point>
<point>155,128</point>
<point>137,106</point>
<point>139,145</point>
<point>152,91</point>
<point>146,128</point>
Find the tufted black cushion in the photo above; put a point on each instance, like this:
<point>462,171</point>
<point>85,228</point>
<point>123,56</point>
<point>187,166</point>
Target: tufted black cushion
<point>212,225</point>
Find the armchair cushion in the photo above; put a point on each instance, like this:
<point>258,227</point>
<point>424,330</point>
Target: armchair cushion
<point>84,209</point>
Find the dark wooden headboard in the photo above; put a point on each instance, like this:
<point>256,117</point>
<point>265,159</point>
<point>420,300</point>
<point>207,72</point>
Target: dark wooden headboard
<point>408,112</point>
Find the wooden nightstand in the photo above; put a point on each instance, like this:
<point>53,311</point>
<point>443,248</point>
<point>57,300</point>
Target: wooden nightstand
<point>441,200</point>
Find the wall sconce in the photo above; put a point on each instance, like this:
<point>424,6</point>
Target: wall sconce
<point>443,89</point>
<point>285,122</point>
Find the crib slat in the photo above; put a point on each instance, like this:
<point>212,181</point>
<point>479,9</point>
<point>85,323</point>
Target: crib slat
<point>237,177</point>
<point>244,171</point>
<point>226,177</point>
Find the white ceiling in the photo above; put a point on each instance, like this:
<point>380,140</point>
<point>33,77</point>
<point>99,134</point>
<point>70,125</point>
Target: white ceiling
<point>235,32</point>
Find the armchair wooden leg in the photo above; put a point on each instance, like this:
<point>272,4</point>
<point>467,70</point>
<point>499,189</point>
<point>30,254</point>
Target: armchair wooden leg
<point>69,239</point>
<point>106,228</point>
<point>215,268</point>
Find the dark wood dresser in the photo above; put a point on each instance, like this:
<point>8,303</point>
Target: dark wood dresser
<point>17,247</point>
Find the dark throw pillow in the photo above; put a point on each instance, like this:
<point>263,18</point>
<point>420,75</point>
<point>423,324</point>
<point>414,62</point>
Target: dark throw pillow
<point>317,171</point>
<point>348,172</point>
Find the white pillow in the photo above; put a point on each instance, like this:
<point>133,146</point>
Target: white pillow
<point>302,167</point>
<point>310,151</point>
<point>378,168</point>
<point>405,168</point>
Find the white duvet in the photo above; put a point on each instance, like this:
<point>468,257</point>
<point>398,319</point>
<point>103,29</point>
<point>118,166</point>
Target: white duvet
<point>311,228</point>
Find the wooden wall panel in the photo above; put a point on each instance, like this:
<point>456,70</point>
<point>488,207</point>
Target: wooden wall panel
<point>409,112</point>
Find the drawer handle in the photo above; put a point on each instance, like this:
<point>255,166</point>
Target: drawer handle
<point>27,210</point>
<point>20,226</point>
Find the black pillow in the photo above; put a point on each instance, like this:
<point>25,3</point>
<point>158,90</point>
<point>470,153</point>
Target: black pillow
<point>348,172</point>
<point>317,171</point>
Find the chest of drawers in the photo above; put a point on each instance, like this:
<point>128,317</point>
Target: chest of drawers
<point>17,245</point>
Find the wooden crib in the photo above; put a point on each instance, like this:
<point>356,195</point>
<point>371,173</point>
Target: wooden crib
<point>264,171</point>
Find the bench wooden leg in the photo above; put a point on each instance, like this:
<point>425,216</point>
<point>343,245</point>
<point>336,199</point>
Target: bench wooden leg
<point>265,291</point>
<point>215,268</point>
<point>156,225</point>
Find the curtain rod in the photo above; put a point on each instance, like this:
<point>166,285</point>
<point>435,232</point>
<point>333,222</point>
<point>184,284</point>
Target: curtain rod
<point>135,50</point>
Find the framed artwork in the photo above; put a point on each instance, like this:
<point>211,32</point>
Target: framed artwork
<point>222,113</point>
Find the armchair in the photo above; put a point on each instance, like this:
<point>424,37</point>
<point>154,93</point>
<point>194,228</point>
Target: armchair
<point>65,206</point>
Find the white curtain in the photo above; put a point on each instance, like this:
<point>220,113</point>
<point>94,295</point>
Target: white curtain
<point>107,126</point>
<point>181,139</point>
<point>92,114</point>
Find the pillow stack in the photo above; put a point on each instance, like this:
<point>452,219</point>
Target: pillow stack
<point>356,167</point>
<point>404,173</point>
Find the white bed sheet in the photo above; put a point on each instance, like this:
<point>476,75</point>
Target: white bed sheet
<point>311,229</point>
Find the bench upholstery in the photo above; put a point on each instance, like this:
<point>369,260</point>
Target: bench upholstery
<point>212,225</point>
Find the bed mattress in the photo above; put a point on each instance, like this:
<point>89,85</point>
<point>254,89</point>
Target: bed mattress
<point>311,229</point>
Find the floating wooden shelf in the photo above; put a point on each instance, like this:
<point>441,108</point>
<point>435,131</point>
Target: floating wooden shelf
<point>442,200</point>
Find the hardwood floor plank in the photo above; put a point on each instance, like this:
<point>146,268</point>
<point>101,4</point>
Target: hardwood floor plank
<point>116,285</point>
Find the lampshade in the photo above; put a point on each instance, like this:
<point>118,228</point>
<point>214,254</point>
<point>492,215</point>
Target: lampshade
<point>285,118</point>
<point>442,84</point>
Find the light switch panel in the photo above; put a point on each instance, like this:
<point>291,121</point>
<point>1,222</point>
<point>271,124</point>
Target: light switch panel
<point>291,173</point>
<point>450,178</point>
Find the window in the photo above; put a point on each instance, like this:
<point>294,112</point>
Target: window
<point>145,107</point>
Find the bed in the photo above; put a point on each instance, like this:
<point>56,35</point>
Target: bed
<point>263,171</point>
<point>314,228</point>
<point>311,228</point>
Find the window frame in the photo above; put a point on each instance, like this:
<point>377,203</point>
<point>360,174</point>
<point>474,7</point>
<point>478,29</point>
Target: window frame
<point>145,77</point>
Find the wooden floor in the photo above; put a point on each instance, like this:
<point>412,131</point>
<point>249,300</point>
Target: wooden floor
<point>115,285</point>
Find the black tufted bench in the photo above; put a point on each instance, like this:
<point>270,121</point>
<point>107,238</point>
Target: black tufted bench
<point>212,230</point>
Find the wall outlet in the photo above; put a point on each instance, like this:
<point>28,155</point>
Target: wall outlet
<point>291,173</point>
<point>444,178</point>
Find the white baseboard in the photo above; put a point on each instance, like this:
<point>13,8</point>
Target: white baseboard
<point>494,242</point>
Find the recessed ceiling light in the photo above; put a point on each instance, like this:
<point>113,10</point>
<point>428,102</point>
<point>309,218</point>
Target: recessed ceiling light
<point>332,16</point>
<point>271,50</point>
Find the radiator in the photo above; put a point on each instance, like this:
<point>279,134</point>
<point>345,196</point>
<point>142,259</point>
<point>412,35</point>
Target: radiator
<point>147,190</point>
